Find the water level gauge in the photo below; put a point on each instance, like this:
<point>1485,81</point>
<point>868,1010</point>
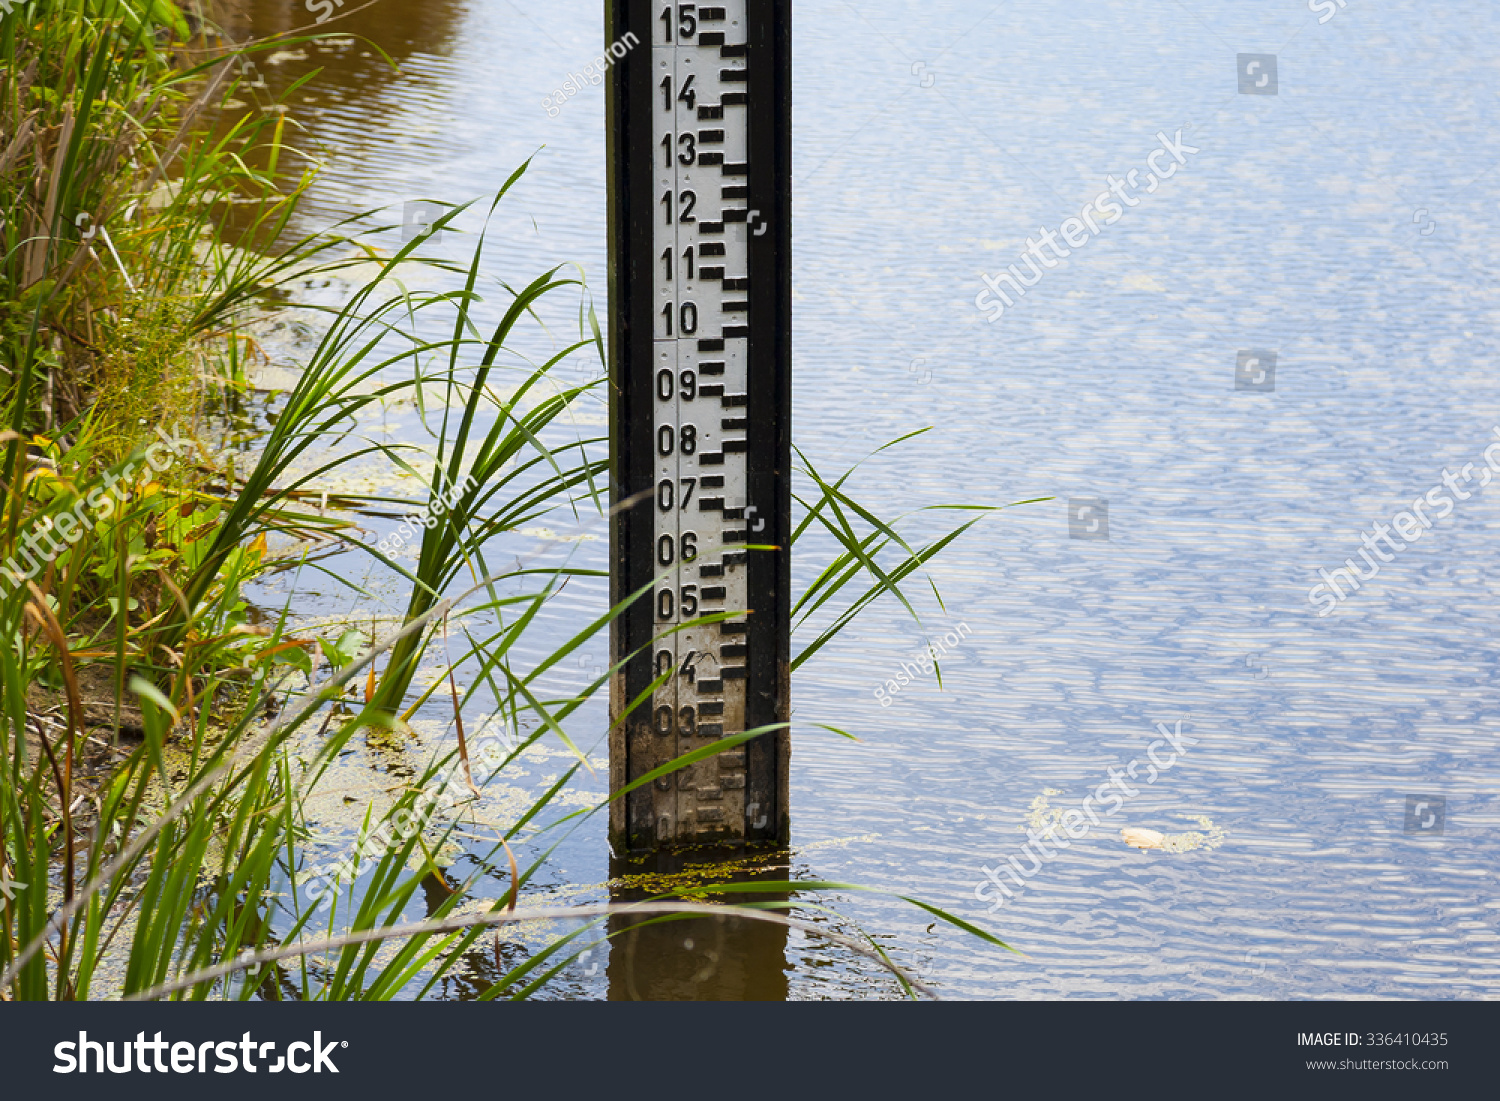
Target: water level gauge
<point>699,349</point>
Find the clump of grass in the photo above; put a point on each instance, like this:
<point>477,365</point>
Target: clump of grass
<point>115,197</point>
<point>120,296</point>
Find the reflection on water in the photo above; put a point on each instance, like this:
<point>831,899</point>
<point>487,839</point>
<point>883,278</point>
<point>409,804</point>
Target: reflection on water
<point>931,140</point>
<point>695,958</point>
<point>363,104</point>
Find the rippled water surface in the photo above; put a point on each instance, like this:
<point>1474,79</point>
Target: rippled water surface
<point>1343,224</point>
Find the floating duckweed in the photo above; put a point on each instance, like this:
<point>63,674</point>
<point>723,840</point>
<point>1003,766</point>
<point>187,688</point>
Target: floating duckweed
<point>1185,842</point>
<point>1042,813</point>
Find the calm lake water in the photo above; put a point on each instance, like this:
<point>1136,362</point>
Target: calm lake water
<point>1336,814</point>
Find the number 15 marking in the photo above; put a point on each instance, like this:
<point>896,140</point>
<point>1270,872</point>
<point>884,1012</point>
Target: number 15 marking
<point>687,22</point>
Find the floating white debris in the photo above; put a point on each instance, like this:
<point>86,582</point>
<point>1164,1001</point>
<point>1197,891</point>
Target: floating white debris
<point>1177,842</point>
<point>1143,839</point>
<point>1042,814</point>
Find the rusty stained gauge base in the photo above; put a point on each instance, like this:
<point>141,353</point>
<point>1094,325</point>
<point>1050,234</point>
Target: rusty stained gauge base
<point>699,113</point>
